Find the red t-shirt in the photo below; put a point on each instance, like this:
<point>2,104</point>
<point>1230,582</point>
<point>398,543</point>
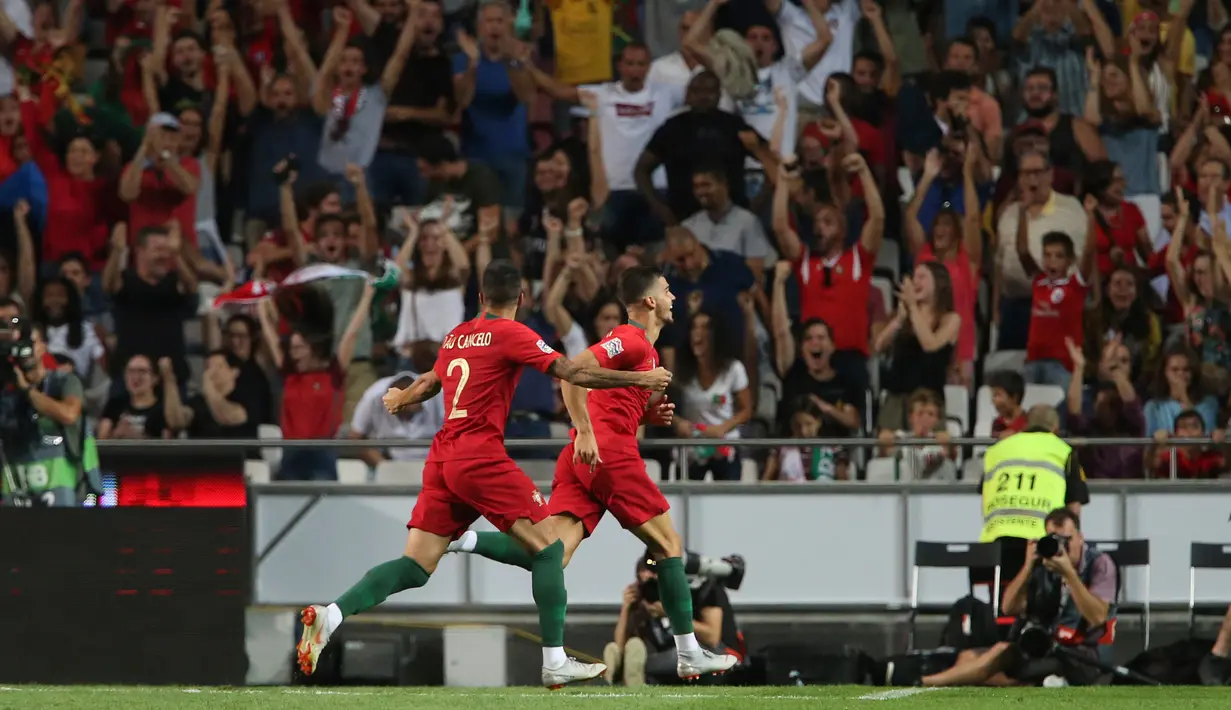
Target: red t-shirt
<point>1013,426</point>
<point>1055,314</point>
<point>161,201</point>
<point>871,144</point>
<point>479,365</point>
<point>616,413</point>
<point>279,270</point>
<point>1122,232</point>
<point>312,402</point>
<point>834,291</point>
<point>1206,464</point>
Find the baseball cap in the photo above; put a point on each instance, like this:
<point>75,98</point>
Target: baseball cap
<point>163,119</point>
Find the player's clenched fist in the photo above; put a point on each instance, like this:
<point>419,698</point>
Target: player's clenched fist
<point>656,380</point>
<point>395,399</point>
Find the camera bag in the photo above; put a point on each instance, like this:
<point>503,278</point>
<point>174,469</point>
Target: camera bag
<point>971,624</point>
<point>806,664</point>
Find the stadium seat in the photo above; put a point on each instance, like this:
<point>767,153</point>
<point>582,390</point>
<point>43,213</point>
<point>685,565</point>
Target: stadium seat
<point>653,469</point>
<point>882,284</point>
<point>882,470</point>
<point>889,260</point>
<point>256,471</point>
<point>236,254</point>
<point>956,430</point>
<point>1051,395</point>
<point>1205,556</point>
<point>971,470</point>
<point>399,473</point>
<point>352,471</point>
<point>271,455</point>
<point>559,430</point>
<point>194,335</point>
<point>950,555</point>
<point>539,470</point>
<point>196,369</point>
<point>748,471</point>
<point>1003,360</point>
<point>957,405</point>
<point>1129,553</point>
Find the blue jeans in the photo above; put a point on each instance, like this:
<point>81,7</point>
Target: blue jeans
<point>393,178</point>
<point>308,465</point>
<point>511,169</point>
<point>1047,372</point>
<point>722,469</point>
<point>627,220</point>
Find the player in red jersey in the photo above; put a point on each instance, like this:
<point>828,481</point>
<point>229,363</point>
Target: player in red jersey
<point>586,485</point>
<point>469,474</point>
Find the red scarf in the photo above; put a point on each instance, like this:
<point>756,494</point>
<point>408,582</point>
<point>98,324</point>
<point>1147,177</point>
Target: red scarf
<point>344,111</point>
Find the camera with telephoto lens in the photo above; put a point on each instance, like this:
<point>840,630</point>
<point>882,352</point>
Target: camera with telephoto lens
<point>700,571</point>
<point>17,349</point>
<point>1050,546</point>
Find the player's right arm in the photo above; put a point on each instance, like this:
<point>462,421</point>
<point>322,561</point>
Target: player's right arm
<point>424,387</point>
<point>599,378</point>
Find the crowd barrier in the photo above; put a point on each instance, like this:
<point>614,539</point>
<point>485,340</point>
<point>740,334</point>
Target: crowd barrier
<point>837,545</point>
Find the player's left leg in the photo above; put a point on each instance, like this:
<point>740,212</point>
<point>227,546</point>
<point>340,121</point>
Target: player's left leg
<point>502,548</point>
<point>693,660</point>
<point>508,499</point>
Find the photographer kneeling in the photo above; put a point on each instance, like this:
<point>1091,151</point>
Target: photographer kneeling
<point>47,455</point>
<point>644,646</point>
<point>1065,594</point>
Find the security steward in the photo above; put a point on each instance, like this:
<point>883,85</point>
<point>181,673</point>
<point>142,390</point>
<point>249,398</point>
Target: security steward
<point>1025,477</point>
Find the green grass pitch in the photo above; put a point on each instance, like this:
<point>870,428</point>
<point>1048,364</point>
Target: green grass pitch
<point>601,697</point>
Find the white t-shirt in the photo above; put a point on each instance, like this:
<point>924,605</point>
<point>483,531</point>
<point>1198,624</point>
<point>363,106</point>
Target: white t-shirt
<point>672,70</point>
<point>923,463</point>
<point>83,356</point>
<point>761,111</point>
<point>716,404</point>
<point>19,14</point>
<point>373,421</point>
<point>429,315</point>
<point>627,121</point>
<point>798,32</point>
<point>574,341</point>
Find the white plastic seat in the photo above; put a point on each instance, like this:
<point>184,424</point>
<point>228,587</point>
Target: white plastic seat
<point>400,473</point>
<point>882,470</point>
<point>352,471</point>
<point>957,405</point>
<point>271,455</point>
<point>257,471</point>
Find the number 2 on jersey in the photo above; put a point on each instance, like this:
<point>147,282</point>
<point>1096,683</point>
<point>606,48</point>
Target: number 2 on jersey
<point>458,364</point>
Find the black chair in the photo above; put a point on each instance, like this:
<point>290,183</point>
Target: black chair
<point>1129,553</point>
<point>950,555</point>
<point>1205,555</point>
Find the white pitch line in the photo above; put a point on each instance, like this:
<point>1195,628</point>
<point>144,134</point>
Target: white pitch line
<point>896,694</point>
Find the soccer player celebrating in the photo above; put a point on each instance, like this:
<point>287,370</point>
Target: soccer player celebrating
<point>468,472</point>
<point>587,485</point>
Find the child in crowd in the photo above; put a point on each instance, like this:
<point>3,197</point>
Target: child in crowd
<point>934,462</point>
<point>1007,388</point>
<point>1192,461</point>
<point>808,463</point>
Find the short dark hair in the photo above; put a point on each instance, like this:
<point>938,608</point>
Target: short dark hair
<point>962,40</point>
<point>1060,516</point>
<point>1061,239</point>
<point>1226,170</point>
<point>232,361</point>
<point>437,150</point>
<point>636,282</point>
<point>156,230</point>
<point>946,82</point>
<point>873,56</point>
<point>1011,382</point>
<point>1047,72</point>
<point>636,44</point>
<point>77,257</point>
<point>327,219</point>
<point>927,397</point>
<point>501,283</point>
<point>984,23</point>
<point>314,194</point>
<point>714,170</point>
<point>189,34</point>
<point>1188,414</point>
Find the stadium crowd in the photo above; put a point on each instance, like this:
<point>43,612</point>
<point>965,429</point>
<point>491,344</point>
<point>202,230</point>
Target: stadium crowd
<point>893,218</point>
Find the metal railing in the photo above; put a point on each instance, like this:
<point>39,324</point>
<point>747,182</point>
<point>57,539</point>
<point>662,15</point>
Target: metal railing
<point>163,446</point>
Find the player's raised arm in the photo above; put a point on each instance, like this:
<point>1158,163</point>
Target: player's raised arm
<point>422,389</point>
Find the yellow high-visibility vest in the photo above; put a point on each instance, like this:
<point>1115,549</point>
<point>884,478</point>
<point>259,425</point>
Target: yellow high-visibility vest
<point>1024,479</point>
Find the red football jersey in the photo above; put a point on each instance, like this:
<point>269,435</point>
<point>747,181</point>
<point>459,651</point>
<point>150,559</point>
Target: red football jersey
<point>616,413</point>
<point>479,365</point>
